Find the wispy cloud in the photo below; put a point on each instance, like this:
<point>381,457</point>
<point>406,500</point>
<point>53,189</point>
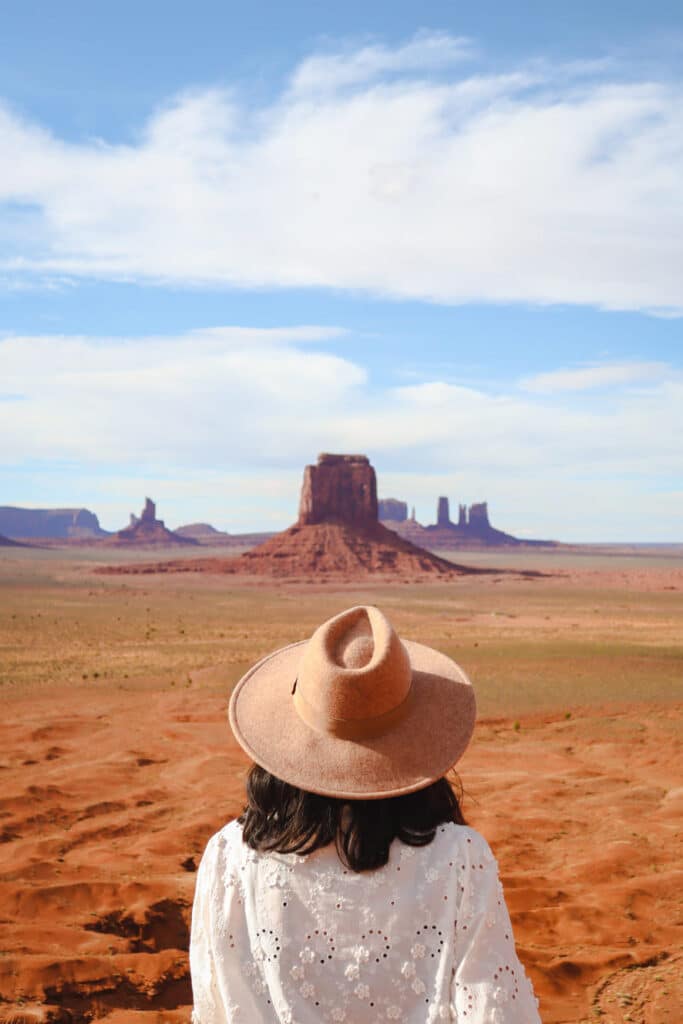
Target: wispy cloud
<point>225,396</point>
<point>590,377</point>
<point>399,171</point>
<point>254,396</point>
<point>426,52</point>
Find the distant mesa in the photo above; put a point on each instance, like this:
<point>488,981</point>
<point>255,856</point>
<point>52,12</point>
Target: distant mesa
<point>146,529</point>
<point>49,523</point>
<point>471,531</point>
<point>209,536</point>
<point>201,532</point>
<point>7,542</point>
<point>392,511</point>
<point>337,535</point>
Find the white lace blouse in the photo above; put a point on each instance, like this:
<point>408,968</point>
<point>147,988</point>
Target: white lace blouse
<point>302,940</point>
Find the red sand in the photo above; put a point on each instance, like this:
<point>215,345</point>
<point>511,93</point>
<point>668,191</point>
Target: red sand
<point>324,551</point>
<point>108,799</point>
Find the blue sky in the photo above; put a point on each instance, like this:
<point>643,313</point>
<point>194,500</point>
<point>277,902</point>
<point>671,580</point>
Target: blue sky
<point>233,236</point>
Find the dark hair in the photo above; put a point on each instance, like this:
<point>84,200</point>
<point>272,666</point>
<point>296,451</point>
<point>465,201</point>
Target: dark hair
<point>284,819</point>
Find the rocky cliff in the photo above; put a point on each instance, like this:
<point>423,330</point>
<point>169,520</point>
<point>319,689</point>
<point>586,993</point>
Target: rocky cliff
<point>443,514</point>
<point>201,532</point>
<point>146,529</point>
<point>338,532</point>
<point>339,489</point>
<point>478,520</point>
<point>6,542</point>
<point>337,536</point>
<point>391,510</point>
<point>209,536</point>
<point>64,523</point>
<point>472,530</point>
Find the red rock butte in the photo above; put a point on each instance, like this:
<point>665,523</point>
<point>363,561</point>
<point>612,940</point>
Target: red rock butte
<point>472,531</point>
<point>147,529</point>
<point>340,488</point>
<point>336,537</point>
<point>338,533</point>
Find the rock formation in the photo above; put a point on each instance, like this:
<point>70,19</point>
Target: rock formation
<point>473,530</point>
<point>7,542</point>
<point>443,515</point>
<point>147,529</point>
<point>201,532</point>
<point>340,489</point>
<point>479,518</point>
<point>48,523</point>
<point>338,531</point>
<point>393,511</point>
<point>209,536</point>
<point>204,532</point>
<point>337,535</point>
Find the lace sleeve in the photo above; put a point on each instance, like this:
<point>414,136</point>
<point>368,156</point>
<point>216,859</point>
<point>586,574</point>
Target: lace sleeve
<point>489,985</point>
<point>207,1004</point>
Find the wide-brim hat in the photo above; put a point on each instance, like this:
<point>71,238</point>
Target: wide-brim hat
<point>355,711</point>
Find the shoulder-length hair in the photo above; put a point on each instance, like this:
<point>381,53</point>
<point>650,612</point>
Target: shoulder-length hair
<point>284,819</point>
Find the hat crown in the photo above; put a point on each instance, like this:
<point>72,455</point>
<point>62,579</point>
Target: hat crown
<point>355,652</point>
<point>354,671</point>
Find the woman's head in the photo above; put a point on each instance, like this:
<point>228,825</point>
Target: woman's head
<point>285,819</point>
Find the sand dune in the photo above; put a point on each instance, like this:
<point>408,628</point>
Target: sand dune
<point>107,800</point>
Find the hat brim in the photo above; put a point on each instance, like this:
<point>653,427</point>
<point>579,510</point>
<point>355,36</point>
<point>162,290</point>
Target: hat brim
<point>413,753</point>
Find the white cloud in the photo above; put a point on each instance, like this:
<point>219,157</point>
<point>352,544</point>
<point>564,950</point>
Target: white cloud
<point>426,51</point>
<point>228,395</point>
<point>380,170</point>
<point>589,377</point>
<point>218,424</point>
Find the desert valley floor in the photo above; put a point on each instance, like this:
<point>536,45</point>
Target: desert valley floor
<point>116,765</point>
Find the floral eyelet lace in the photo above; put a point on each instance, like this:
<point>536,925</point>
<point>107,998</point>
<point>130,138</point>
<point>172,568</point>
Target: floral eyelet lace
<point>303,940</point>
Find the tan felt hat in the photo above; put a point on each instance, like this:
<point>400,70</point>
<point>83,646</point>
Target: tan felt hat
<point>355,711</point>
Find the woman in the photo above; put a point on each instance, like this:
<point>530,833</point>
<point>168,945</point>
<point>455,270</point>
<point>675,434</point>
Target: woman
<point>350,890</point>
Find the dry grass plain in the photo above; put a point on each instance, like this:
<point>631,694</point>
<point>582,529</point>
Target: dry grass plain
<point>116,765</point>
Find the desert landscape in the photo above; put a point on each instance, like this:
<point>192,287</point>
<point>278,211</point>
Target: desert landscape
<point>430,254</point>
<point>117,765</point>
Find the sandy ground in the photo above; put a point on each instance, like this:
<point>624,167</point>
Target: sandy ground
<point>111,784</point>
<point>107,801</point>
